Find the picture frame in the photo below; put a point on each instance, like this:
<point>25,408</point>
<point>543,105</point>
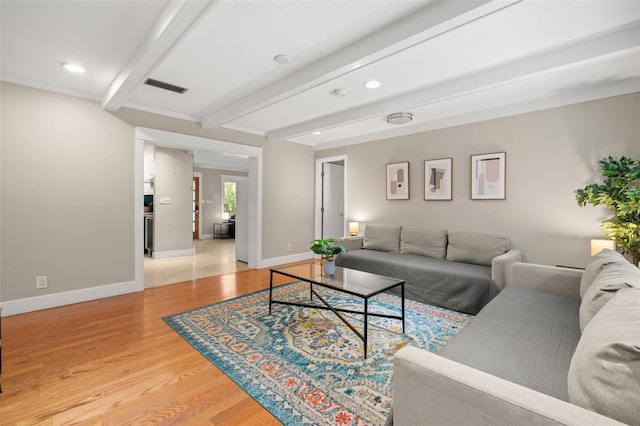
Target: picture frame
<point>488,176</point>
<point>438,183</point>
<point>398,181</point>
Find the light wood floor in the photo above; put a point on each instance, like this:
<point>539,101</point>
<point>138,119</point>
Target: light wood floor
<point>115,362</point>
<point>211,257</point>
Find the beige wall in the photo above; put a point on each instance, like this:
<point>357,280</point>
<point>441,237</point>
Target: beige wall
<point>170,124</point>
<point>287,199</point>
<point>549,154</point>
<point>173,222</point>
<point>211,183</point>
<point>67,194</point>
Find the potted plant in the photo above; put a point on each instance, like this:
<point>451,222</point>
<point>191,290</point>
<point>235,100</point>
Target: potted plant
<point>328,250</point>
<point>620,192</point>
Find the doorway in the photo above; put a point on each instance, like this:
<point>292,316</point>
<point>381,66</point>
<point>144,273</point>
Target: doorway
<point>196,143</point>
<point>331,197</point>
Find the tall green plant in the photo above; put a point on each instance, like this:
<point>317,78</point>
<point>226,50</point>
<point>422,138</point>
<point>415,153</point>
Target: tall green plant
<point>620,192</point>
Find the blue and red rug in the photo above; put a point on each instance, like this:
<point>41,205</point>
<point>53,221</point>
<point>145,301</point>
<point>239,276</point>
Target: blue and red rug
<point>304,365</point>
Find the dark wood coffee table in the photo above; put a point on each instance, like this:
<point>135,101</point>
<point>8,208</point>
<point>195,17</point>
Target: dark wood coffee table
<point>357,283</point>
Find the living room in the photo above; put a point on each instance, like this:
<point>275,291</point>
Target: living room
<point>70,172</point>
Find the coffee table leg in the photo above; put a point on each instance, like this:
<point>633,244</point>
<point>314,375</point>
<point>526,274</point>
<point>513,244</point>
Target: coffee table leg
<point>270,291</point>
<point>366,320</point>
<point>402,298</point>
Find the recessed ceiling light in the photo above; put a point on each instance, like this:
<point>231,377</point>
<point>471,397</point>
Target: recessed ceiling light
<point>282,59</point>
<point>73,68</point>
<point>372,84</point>
<point>315,133</point>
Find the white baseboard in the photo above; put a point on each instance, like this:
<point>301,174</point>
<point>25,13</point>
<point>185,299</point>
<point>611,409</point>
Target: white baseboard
<point>21,306</point>
<point>266,263</point>
<point>173,253</point>
<point>206,236</point>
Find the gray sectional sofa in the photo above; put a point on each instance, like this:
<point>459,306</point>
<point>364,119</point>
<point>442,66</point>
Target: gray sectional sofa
<point>462,271</point>
<point>556,346</point>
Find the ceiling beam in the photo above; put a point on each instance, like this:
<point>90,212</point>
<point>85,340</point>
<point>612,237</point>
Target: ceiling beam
<point>426,23</point>
<point>622,42</point>
<point>175,22</point>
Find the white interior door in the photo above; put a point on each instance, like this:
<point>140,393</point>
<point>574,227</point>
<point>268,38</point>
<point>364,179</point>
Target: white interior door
<point>333,222</point>
<point>242,220</point>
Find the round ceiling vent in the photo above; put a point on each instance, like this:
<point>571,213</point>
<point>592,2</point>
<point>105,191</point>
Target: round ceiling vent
<point>399,118</point>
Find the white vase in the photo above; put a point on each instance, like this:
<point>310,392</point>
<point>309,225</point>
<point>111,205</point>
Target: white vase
<point>329,267</point>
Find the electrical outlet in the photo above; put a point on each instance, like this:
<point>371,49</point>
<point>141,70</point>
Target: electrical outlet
<point>41,282</point>
<point>288,247</point>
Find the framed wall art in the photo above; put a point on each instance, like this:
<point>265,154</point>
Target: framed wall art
<point>398,181</point>
<point>488,176</point>
<point>437,179</point>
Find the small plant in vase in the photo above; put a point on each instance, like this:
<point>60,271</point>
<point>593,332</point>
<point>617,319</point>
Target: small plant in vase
<point>328,250</point>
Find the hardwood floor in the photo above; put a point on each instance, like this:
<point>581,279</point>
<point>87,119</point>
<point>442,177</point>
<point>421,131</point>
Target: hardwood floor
<point>115,362</point>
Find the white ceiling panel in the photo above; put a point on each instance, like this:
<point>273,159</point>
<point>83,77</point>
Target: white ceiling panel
<point>447,62</point>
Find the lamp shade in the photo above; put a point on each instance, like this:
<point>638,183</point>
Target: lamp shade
<point>354,228</point>
<point>598,245</point>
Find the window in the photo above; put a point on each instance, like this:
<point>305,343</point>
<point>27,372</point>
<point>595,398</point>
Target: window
<point>229,205</point>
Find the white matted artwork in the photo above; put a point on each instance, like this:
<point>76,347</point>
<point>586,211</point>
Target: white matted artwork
<point>398,181</point>
<point>488,176</point>
<point>437,179</point>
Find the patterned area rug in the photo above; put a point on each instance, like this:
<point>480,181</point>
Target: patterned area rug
<point>304,365</point>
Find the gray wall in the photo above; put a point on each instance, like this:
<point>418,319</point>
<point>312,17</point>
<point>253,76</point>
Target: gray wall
<point>211,183</point>
<point>67,194</point>
<point>173,179</point>
<point>287,199</point>
<point>550,154</point>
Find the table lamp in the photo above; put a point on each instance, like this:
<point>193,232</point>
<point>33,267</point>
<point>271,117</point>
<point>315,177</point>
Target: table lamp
<point>354,228</point>
<point>598,245</point>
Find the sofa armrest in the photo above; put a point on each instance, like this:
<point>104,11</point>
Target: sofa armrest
<point>501,267</point>
<point>351,243</point>
<point>430,389</point>
<point>552,279</point>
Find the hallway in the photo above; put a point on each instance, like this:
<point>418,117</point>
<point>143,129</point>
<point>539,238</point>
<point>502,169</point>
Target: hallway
<point>212,257</point>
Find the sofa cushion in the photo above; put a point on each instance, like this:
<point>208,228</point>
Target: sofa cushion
<point>612,277</point>
<point>605,370</point>
<point>476,248</point>
<point>596,264</point>
<point>384,238</point>
<point>425,242</point>
<point>523,335</point>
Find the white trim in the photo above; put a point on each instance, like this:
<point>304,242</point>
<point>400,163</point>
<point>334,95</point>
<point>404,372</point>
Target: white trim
<point>318,202</point>
<point>138,213</point>
<point>206,236</point>
<point>255,211</point>
<point>266,263</point>
<point>199,176</point>
<point>20,306</point>
<point>173,253</point>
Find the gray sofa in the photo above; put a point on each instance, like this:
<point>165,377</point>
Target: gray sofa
<point>462,271</point>
<point>556,346</point>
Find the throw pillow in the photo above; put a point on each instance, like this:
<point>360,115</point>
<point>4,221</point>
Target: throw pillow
<point>476,248</point>
<point>383,238</point>
<point>425,242</point>
<point>612,277</point>
<point>605,369</point>
<point>595,266</point>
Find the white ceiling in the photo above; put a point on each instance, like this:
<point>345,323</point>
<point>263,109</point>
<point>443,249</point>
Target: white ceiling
<point>446,62</point>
